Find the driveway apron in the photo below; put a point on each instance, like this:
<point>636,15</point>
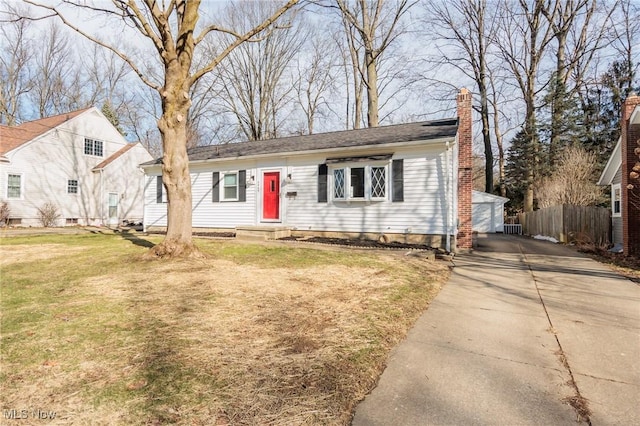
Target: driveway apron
<point>525,332</point>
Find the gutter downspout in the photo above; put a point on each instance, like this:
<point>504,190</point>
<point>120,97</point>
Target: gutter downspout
<point>447,192</point>
<point>101,197</point>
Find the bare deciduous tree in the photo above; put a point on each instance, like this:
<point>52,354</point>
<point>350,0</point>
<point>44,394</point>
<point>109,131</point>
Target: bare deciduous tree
<point>16,50</point>
<point>175,32</point>
<point>523,38</point>
<point>315,77</point>
<point>252,75</point>
<point>573,182</point>
<point>370,28</point>
<point>468,30</point>
<point>577,39</point>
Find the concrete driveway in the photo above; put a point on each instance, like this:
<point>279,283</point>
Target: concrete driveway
<point>525,332</point>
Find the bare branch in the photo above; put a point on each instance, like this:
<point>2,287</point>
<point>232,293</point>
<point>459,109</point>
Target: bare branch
<point>88,36</point>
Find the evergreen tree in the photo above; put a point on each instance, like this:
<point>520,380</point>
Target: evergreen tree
<point>523,157</point>
<point>556,135</point>
<point>111,115</point>
<point>602,109</point>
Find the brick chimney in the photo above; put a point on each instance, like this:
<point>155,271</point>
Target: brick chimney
<point>630,209</point>
<point>464,238</point>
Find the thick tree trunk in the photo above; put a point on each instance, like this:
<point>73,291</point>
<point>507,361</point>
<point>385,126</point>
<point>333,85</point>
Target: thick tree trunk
<point>175,174</point>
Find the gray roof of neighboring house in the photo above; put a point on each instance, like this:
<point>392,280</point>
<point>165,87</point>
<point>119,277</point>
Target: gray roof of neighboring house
<point>399,133</point>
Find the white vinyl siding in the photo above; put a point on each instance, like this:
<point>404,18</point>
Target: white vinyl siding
<point>47,163</point>
<point>423,211</point>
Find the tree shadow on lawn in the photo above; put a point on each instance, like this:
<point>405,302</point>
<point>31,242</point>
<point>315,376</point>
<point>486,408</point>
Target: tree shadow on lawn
<point>134,239</point>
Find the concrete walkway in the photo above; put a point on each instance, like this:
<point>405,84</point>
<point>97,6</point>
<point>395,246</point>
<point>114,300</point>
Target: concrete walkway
<point>525,332</point>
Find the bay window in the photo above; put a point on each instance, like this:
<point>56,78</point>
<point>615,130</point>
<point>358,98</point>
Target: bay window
<point>366,182</point>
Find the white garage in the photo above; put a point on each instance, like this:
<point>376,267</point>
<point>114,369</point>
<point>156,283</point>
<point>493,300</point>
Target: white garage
<point>488,212</point>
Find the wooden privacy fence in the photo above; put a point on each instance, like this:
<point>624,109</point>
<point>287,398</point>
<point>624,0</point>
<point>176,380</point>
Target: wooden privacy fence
<point>568,223</point>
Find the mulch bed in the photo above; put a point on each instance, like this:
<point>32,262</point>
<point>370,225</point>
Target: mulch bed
<point>359,243</point>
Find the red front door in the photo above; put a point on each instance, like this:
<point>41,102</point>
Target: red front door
<point>271,196</point>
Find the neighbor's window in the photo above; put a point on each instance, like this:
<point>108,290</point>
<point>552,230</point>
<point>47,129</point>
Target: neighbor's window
<point>360,183</point>
<point>616,200</point>
<point>93,147</point>
<point>14,186</point>
<point>230,187</point>
<point>72,186</point>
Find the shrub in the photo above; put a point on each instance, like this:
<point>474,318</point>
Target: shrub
<point>5,212</point>
<point>48,214</point>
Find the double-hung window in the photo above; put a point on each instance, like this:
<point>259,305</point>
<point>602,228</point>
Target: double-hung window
<point>616,200</point>
<point>93,147</point>
<point>368,182</point>
<point>230,186</point>
<point>72,186</point>
<point>14,186</point>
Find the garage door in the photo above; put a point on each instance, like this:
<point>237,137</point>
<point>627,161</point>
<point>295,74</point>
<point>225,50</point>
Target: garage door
<point>482,215</point>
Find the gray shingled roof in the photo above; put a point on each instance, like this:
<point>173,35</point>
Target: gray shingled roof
<point>399,133</point>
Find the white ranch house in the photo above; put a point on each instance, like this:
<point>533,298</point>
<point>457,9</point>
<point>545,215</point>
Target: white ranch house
<point>77,161</point>
<point>397,182</point>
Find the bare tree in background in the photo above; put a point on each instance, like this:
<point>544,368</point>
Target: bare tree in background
<point>467,29</point>
<point>315,77</point>
<point>577,39</point>
<point>371,27</point>
<point>252,75</point>
<point>16,51</point>
<point>54,64</point>
<point>497,101</point>
<point>174,32</point>
<point>523,39</point>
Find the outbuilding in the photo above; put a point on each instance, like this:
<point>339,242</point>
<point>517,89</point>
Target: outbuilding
<point>488,212</point>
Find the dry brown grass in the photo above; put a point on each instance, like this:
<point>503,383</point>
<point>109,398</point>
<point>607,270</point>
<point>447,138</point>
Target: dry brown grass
<point>255,334</point>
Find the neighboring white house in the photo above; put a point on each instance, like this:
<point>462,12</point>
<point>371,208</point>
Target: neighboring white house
<point>397,182</point>
<point>488,212</point>
<point>612,176</point>
<point>77,161</point>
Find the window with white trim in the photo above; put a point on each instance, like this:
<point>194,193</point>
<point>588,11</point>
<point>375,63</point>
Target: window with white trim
<point>14,185</point>
<point>230,186</point>
<point>366,182</point>
<point>72,186</point>
<point>616,200</point>
<point>93,147</point>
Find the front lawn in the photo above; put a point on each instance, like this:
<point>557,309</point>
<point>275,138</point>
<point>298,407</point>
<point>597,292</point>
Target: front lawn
<point>256,334</point>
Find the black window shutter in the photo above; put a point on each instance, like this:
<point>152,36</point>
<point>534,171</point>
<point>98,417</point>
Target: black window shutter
<point>322,183</point>
<point>215,190</point>
<point>397,170</point>
<point>242,185</point>
<point>158,189</point>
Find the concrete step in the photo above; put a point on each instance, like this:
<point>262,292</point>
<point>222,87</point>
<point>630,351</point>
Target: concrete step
<point>262,232</point>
